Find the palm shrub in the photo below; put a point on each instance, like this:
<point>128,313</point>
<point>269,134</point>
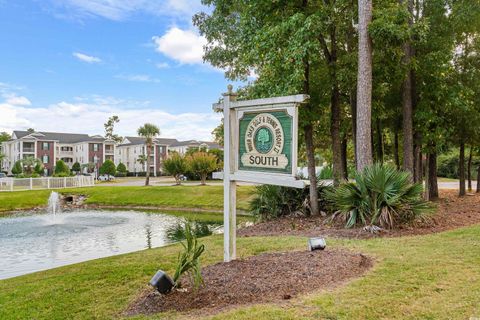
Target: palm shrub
<point>175,165</point>
<point>188,261</point>
<point>272,201</point>
<point>380,195</point>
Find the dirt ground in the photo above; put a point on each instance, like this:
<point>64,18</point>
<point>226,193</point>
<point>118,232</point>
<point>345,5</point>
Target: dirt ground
<point>452,212</point>
<point>269,277</point>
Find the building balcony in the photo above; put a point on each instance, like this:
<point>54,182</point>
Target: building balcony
<point>109,151</point>
<point>65,153</point>
<point>28,150</point>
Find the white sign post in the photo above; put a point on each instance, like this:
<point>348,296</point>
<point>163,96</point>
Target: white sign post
<point>260,146</point>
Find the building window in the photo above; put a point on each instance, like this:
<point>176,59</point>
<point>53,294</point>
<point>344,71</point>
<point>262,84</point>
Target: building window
<point>95,147</point>
<point>45,159</point>
<point>45,146</point>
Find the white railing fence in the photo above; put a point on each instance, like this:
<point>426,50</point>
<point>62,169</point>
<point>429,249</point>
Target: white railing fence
<point>19,184</point>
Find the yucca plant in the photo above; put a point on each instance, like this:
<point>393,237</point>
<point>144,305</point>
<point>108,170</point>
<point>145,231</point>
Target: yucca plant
<point>380,195</point>
<point>188,261</point>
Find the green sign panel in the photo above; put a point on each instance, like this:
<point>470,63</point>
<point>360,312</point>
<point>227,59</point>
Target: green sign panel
<point>266,142</point>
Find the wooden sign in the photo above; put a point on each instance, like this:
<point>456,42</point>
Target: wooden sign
<point>261,142</point>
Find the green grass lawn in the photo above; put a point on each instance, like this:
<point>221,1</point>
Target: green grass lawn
<point>204,197</point>
<point>423,277</point>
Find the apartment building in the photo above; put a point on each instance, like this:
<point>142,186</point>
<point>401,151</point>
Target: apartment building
<point>132,148</point>
<point>52,146</point>
<point>182,146</point>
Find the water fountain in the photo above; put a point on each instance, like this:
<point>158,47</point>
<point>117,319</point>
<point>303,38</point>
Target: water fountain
<point>54,204</point>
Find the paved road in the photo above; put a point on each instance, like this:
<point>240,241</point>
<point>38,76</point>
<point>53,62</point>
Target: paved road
<point>167,181</point>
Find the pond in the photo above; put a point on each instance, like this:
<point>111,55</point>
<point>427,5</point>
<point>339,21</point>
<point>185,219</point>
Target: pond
<point>32,242</point>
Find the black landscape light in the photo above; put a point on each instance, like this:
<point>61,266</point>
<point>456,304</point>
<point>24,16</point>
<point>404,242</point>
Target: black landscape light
<point>162,282</point>
<point>316,244</point>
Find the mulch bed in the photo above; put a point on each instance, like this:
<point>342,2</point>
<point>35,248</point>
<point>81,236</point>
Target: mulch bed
<point>268,277</point>
<point>453,212</point>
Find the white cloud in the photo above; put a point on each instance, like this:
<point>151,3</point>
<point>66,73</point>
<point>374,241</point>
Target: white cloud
<point>15,100</point>
<point>89,114</point>
<point>162,65</point>
<point>119,10</point>
<point>184,46</point>
<point>137,78</point>
<point>86,58</point>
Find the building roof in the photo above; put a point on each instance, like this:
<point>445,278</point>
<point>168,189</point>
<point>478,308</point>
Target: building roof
<point>141,140</point>
<point>58,136</point>
<point>197,143</point>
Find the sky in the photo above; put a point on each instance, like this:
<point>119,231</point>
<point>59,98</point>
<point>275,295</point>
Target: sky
<point>68,65</point>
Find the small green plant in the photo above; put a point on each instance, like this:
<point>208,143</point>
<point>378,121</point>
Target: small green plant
<point>380,195</point>
<point>188,261</point>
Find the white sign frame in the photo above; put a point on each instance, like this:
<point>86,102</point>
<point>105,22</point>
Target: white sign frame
<point>233,111</point>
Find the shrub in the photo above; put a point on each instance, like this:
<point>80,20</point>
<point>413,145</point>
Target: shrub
<point>380,195</point>
<point>108,167</point>
<point>61,169</point>
<point>188,261</point>
<point>17,168</point>
<point>447,165</point>
<point>175,165</point>
<point>274,201</point>
<point>38,169</point>
<point>121,168</point>
<point>202,164</point>
<point>76,167</point>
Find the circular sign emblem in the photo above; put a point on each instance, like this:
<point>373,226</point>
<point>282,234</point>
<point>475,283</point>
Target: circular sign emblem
<point>263,140</point>
<point>264,135</point>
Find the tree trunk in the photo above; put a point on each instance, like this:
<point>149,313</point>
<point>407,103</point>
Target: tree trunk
<point>338,170</point>
<point>407,104</point>
<point>364,86</point>
<point>469,171</point>
<point>418,176</point>
<point>344,158</point>
<point>312,175</point>
<point>353,107</point>
<point>461,168</point>
<point>379,144</point>
<point>147,173</point>
<point>396,150</point>
<point>310,148</point>
<point>431,184</point>
<point>478,179</point>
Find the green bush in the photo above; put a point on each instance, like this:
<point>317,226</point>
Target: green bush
<point>380,195</point>
<point>17,168</point>
<point>76,167</point>
<point>61,169</point>
<point>447,165</point>
<point>38,169</point>
<point>271,201</point>
<point>121,168</point>
<point>108,167</point>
